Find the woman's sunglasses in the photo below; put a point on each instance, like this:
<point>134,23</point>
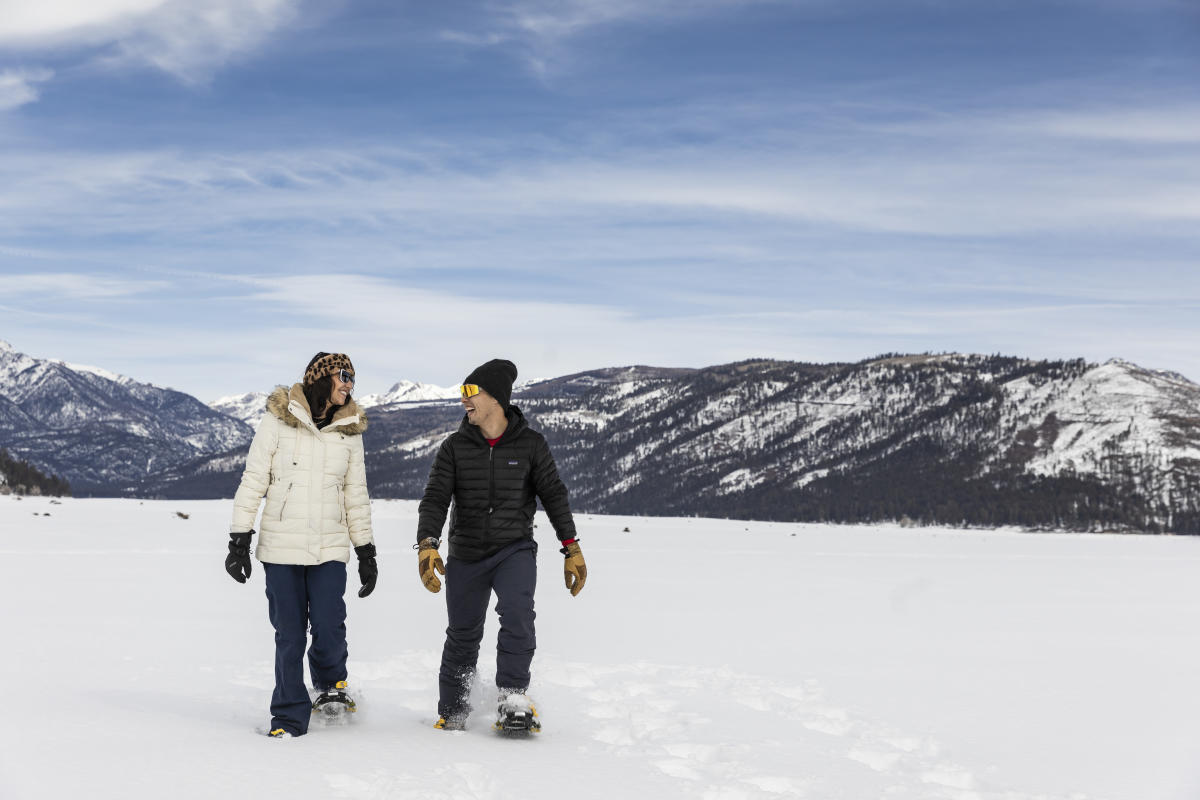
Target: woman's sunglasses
<point>346,376</point>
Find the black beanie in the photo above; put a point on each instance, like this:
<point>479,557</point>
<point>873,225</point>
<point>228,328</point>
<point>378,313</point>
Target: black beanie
<point>496,378</point>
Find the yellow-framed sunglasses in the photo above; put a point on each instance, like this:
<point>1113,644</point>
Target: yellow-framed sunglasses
<point>469,390</point>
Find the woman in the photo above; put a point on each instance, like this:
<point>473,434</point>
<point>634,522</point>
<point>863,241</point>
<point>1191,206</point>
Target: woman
<point>307,458</point>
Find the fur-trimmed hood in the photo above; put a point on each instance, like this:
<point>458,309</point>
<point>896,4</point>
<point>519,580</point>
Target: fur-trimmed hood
<point>278,403</point>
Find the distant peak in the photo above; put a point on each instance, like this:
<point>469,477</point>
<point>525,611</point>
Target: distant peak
<point>406,391</point>
<point>519,385</point>
<point>97,371</point>
<point>5,347</point>
<point>1122,365</point>
<point>1162,374</point>
<point>245,397</point>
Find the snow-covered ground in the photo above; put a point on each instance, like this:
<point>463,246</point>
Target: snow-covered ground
<point>704,659</point>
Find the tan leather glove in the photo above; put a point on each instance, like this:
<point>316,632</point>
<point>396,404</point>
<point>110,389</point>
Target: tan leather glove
<point>429,563</point>
<point>574,570</point>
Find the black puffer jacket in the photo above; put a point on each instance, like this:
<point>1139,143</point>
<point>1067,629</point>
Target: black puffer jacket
<point>494,489</point>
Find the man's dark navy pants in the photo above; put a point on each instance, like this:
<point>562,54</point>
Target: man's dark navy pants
<point>512,575</point>
<point>298,597</point>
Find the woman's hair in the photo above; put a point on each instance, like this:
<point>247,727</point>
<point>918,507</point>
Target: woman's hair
<point>319,391</point>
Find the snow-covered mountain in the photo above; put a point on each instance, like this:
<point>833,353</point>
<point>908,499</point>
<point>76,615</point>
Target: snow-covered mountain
<point>105,433</point>
<point>248,407</point>
<point>409,392</point>
<point>948,439</point>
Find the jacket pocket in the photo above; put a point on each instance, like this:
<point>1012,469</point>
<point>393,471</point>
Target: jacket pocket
<point>283,505</point>
<point>341,504</point>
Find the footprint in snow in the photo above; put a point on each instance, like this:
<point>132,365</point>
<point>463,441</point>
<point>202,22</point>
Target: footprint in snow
<point>705,728</point>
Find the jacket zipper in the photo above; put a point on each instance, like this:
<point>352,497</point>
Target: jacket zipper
<point>487,524</point>
<point>283,507</point>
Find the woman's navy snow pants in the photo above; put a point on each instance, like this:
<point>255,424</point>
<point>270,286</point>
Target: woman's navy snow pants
<point>300,597</point>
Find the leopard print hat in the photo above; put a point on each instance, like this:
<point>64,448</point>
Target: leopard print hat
<point>326,364</point>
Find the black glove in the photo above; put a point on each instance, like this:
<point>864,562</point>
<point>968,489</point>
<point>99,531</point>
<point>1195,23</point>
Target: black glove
<point>368,570</point>
<point>237,563</point>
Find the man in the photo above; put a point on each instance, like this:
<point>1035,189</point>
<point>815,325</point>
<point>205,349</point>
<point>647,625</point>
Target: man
<point>493,467</point>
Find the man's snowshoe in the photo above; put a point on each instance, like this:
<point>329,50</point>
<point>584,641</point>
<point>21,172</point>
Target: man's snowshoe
<point>334,702</point>
<point>516,715</point>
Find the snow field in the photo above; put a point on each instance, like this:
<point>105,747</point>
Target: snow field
<point>705,659</point>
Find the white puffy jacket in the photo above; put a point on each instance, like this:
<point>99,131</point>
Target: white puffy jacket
<point>315,482</point>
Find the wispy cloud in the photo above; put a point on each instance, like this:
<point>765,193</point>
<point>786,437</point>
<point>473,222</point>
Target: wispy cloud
<point>542,29</point>
<point>1170,122</point>
<point>941,184</point>
<point>259,329</point>
<point>189,39</point>
<point>551,20</point>
<point>19,86</point>
<point>709,180</point>
<point>59,286</point>
<point>54,21</point>
<point>1179,125</point>
<point>437,335</point>
<point>392,330</point>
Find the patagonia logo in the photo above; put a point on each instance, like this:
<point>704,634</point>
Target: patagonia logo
<point>513,463</point>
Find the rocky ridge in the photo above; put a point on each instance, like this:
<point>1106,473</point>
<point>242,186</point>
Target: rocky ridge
<point>941,439</point>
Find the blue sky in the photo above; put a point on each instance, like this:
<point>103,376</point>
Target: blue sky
<point>202,194</point>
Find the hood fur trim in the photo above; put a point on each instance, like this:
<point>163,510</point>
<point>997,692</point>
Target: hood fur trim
<point>278,401</point>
